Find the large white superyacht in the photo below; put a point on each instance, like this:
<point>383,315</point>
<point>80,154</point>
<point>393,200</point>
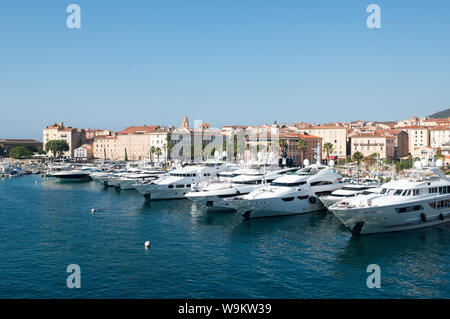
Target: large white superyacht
<point>211,196</point>
<point>178,182</point>
<point>421,200</point>
<point>289,194</point>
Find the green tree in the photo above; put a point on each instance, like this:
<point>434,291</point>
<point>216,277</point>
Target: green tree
<point>406,164</point>
<point>126,155</point>
<point>328,148</point>
<point>152,151</point>
<point>169,146</point>
<point>373,158</point>
<point>301,145</point>
<point>19,152</point>
<point>357,157</point>
<point>158,152</point>
<point>57,147</point>
<point>283,147</point>
<point>213,150</point>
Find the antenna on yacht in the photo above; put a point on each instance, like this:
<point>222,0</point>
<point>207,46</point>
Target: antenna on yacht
<point>318,154</point>
<point>433,156</point>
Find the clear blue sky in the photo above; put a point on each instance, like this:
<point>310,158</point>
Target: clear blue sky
<point>222,61</point>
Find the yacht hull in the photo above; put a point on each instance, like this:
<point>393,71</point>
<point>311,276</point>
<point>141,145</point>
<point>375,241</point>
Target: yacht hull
<point>271,207</point>
<point>161,192</point>
<point>212,203</point>
<point>372,220</point>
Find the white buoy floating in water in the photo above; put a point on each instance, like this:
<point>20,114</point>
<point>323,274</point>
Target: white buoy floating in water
<point>93,210</point>
<point>147,244</point>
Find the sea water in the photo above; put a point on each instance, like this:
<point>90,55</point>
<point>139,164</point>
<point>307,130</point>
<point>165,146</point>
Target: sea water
<point>46,225</point>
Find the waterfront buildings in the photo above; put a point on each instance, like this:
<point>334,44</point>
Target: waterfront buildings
<point>105,147</point>
<point>298,155</point>
<point>93,133</point>
<point>419,136</point>
<point>7,144</point>
<point>58,131</point>
<point>439,136</point>
<point>390,139</point>
<point>373,143</point>
<point>84,152</point>
<point>336,135</point>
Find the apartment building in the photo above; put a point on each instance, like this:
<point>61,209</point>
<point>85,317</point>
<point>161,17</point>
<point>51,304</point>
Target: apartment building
<point>336,135</point>
<point>84,152</point>
<point>58,131</point>
<point>105,147</point>
<point>439,136</point>
<point>299,155</point>
<point>368,144</point>
<point>418,136</point>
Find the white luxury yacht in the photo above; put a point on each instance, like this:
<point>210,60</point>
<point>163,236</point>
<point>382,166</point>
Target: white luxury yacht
<point>73,175</point>
<point>127,181</point>
<point>211,195</point>
<point>348,191</point>
<point>289,194</point>
<point>178,182</point>
<point>421,200</point>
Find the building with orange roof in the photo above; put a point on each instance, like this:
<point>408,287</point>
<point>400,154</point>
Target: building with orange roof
<point>425,152</point>
<point>336,135</point>
<point>84,152</point>
<point>58,131</point>
<point>297,155</point>
<point>440,136</point>
<point>105,147</point>
<point>370,143</point>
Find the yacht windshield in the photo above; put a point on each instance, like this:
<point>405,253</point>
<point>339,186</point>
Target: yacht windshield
<point>287,184</point>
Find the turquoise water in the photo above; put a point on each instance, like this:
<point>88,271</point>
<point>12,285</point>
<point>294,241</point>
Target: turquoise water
<point>46,225</point>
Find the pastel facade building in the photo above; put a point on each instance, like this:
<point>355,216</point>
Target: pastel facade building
<point>418,136</point>
<point>425,152</point>
<point>336,135</point>
<point>105,147</point>
<point>84,152</point>
<point>93,133</point>
<point>439,136</point>
<point>58,131</point>
<point>368,144</point>
<point>299,155</point>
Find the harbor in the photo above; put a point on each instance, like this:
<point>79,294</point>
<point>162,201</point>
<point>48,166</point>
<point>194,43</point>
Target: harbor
<point>225,158</point>
<point>47,225</point>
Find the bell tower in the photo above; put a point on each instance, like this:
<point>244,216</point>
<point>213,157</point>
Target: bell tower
<point>185,123</point>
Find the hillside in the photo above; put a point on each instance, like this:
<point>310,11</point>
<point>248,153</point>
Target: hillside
<point>441,114</point>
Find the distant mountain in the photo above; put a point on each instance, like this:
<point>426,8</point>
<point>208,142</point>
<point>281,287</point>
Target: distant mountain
<point>441,114</point>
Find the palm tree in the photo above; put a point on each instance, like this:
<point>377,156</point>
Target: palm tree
<point>152,151</point>
<point>357,157</point>
<point>169,146</point>
<point>158,152</point>
<point>283,147</point>
<point>328,148</point>
<point>301,145</point>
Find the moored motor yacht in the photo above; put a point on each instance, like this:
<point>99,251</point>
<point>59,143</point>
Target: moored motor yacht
<point>421,200</point>
<point>289,194</point>
<point>349,190</point>
<point>73,175</point>
<point>127,181</point>
<point>211,195</point>
<point>178,182</point>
